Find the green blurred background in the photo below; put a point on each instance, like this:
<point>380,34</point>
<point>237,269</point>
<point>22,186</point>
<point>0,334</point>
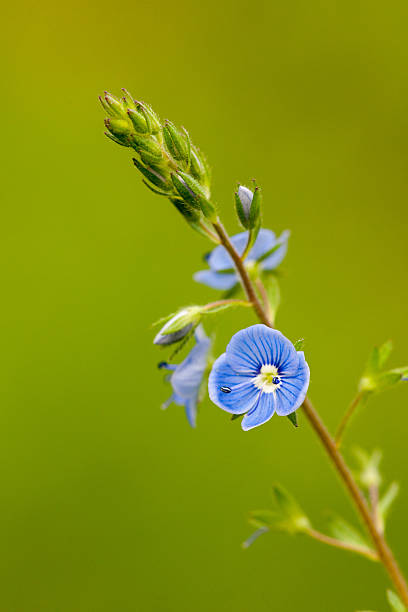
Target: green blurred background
<point>107,503</point>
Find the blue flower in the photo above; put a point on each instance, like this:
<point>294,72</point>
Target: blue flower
<point>221,274</point>
<point>259,374</point>
<point>186,378</point>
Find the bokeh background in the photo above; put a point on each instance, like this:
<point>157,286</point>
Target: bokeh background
<point>107,503</point>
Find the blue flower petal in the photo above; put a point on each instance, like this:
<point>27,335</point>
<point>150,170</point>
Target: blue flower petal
<point>191,412</point>
<point>243,394</point>
<point>222,282</point>
<point>261,413</point>
<point>219,258</point>
<point>258,345</point>
<point>188,375</point>
<point>292,392</point>
<point>273,261</point>
<point>264,242</point>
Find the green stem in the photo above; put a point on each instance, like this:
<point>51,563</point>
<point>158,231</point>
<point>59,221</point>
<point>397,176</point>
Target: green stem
<point>384,552</point>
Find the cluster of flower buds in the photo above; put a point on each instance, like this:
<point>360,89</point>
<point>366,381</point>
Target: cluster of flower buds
<point>170,164</point>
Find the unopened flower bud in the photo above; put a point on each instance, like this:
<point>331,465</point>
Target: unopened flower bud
<point>175,142</point>
<point>121,129</point>
<point>191,191</point>
<point>247,204</point>
<point>178,326</point>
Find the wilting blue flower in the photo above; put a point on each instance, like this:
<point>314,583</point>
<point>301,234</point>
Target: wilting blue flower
<point>186,377</point>
<point>221,274</point>
<point>259,374</point>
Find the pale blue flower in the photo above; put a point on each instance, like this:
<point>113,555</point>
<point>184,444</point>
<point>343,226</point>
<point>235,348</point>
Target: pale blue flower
<point>259,374</point>
<point>186,377</point>
<point>222,275</point>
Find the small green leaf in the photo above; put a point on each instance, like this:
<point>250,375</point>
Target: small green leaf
<point>343,531</point>
<point>299,344</point>
<point>386,501</point>
<point>395,602</point>
<point>297,520</point>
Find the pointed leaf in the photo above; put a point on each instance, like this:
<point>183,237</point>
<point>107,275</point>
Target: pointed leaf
<point>386,501</point>
<point>343,531</point>
<point>293,419</point>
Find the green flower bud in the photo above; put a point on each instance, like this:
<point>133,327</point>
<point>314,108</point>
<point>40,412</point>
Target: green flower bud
<point>116,108</point>
<point>248,206</point>
<point>138,120</point>
<point>178,326</point>
<point>193,192</point>
<point>121,129</point>
<point>153,176</point>
<point>175,142</point>
<point>192,215</point>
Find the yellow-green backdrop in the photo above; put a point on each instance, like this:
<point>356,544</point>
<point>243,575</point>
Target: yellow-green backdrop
<point>108,504</point>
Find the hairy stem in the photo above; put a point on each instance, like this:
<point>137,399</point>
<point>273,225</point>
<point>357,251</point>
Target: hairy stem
<point>227,302</point>
<point>329,443</point>
<point>243,274</point>
<point>361,550</point>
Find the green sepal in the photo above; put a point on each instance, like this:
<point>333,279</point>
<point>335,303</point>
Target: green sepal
<point>182,318</point>
<point>240,211</point>
<point>299,344</point>
<point>117,109</point>
<point>175,142</point>
<point>193,193</point>
<point>191,215</point>
<point>185,192</point>
<point>121,129</point>
<point>293,419</point>
<point>152,175</point>
<point>255,210</point>
<point>138,120</point>
<point>395,602</point>
<point>197,168</point>
<point>119,142</point>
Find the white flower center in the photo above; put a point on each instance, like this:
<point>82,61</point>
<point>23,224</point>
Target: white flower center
<point>268,379</point>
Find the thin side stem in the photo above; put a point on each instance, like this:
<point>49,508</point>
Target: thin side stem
<point>227,302</point>
<point>384,552</point>
<point>361,550</point>
<point>346,418</point>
